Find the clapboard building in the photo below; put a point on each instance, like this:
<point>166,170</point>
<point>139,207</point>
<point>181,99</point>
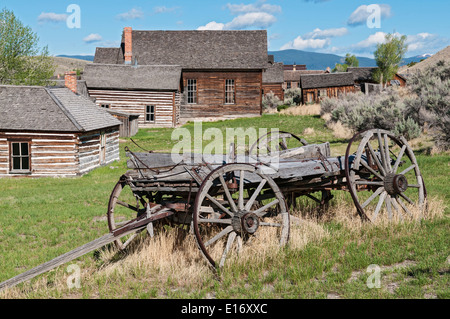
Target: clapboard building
<point>364,78</point>
<point>218,74</point>
<point>53,132</point>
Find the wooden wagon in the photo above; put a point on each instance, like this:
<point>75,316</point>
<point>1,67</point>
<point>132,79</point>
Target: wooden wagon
<point>228,201</point>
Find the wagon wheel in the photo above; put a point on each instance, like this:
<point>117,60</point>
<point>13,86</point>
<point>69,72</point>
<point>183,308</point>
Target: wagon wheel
<point>275,142</point>
<point>236,205</point>
<point>385,165</point>
<point>123,207</point>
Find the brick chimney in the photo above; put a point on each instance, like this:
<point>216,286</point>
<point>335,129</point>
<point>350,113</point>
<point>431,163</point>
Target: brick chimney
<point>128,44</point>
<point>70,78</point>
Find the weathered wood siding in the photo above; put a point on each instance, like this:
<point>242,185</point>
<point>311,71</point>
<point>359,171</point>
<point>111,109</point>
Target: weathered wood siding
<point>211,94</point>
<point>59,154</point>
<point>135,102</point>
<point>276,88</point>
<point>315,95</point>
<point>90,149</point>
<point>51,154</point>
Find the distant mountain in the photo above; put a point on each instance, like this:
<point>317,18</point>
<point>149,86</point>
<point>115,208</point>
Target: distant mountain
<point>89,58</point>
<point>320,61</point>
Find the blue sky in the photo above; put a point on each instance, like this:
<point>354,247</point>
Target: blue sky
<point>327,26</point>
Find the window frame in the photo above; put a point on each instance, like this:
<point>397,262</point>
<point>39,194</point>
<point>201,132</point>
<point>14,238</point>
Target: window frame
<point>105,106</point>
<point>12,170</point>
<point>148,112</point>
<point>192,87</point>
<point>233,92</point>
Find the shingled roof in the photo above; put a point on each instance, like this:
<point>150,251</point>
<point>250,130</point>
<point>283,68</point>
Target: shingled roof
<point>34,108</point>
<point>108,55</point>
<point>311,81</point>
<point>294,76</point>
<point>196,49</point>
<point>274,73</point>
<point>363,73</point>
<point>127,77</point>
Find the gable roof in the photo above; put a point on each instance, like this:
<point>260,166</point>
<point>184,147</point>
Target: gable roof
<point>196,49</point>
<point>34,108</point>
<point>274,73</point>
<point>127,77</point>
<point>294,76</point>
<point>310,81</point>
<point>108,55</point>
<point>362,73</point>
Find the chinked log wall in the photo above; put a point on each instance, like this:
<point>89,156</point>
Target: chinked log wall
<point>135,102</point>
<point>211,94</point>
<point>60,154</point>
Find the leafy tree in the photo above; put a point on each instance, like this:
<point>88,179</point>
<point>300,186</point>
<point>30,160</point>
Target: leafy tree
<point>351,61</point>
<point>22,62</point>
<point>388,56</point>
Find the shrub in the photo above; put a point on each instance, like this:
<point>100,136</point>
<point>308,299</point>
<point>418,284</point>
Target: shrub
<point>270,101</point>
<point>360,112</point>
<point>430,105</point>
<point>294,95</point>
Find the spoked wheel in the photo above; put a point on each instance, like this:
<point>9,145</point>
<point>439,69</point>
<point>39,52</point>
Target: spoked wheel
<point>275,142</point>
<point>237,205</point>
<point>124,207</point>
<point>386,167</point>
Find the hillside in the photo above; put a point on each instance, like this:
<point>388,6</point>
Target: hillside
<point>68,64</point>
<point>444,54</point>
<point>320,61</point>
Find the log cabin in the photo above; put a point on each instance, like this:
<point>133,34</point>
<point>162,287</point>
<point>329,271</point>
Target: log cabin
<point>53,132</point>
<point>151,92</point>
<point>316,87</point>
<point>221,72</point>
<point>364,75</point>
<point>292,77</point>
<point>273,79</point>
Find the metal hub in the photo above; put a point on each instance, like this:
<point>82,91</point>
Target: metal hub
<point>245,222</point>
<point>395,184</point>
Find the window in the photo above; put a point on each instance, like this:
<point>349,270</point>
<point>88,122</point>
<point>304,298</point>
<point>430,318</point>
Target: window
<point>20,157</point>
<point>150,113</point>
<point>105,106</point>
<point>288,85</point>
<point>230,92</point>
<point>192,91</point>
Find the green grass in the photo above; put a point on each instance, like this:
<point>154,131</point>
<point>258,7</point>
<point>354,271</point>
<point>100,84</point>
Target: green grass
<point>41,219</point>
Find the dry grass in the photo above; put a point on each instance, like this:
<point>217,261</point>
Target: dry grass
<point>310,109</point>
<point>339,130</point>
<point>165,258</point>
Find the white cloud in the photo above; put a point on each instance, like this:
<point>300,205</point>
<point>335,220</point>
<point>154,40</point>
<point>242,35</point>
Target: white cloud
<point>52,17</point>
<point>93,37</point>
<point>212,26</point>
<point>164,9</point>
<point>133,14</point>
<point>300,43</point>
<point>325,34</point>
<point>257,15</point>
<point>372,40</point>
<point>259,6</point>
<point>361,14</point>
<point>317,39</point>
<point>251,20</point>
